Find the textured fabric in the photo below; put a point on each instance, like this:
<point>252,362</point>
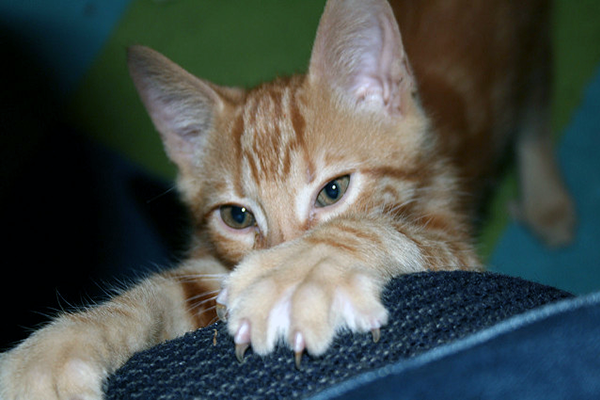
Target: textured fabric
<point>549,353</point>
<point>427,310</point>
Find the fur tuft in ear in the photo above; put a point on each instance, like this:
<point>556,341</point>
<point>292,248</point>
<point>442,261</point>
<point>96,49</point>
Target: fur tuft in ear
<point>358,51</point>
<point>182,107</point>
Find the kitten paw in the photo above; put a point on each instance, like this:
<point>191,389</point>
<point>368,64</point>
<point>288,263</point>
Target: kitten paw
<point>302,297</point>
<point>552,218</point>
<point>51,365</point>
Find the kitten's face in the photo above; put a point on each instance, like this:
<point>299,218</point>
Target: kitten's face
<point>261,167</point>
<point>286,156</point>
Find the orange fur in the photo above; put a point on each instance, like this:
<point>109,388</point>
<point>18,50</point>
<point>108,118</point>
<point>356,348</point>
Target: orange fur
<point>474,61</point>
<point>413,130</point>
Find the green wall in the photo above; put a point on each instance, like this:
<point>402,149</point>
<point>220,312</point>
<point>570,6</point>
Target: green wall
<point>235,43</point>
<point>241,43</point>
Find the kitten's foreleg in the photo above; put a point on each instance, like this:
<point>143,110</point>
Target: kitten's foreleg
<point>71,357</point>
<point>305,290</point>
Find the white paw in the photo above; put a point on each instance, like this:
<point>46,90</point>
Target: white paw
<point>301,297</point>
<point>53,364</point>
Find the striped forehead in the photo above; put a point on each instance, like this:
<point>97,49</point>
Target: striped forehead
<point>273,131</point>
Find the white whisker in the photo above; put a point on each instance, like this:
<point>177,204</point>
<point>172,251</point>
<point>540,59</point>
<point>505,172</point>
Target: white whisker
<point>212,321</point>
<point>161,194</point>
<point>212,294</point>
<point>204,277</point>
<point>209,309</point>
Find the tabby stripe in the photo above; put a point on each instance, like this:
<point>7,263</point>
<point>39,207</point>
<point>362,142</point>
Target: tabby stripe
<point>237,132</point>
<point>331,242</point>
<point>413,175</point>
<point>359,234</point>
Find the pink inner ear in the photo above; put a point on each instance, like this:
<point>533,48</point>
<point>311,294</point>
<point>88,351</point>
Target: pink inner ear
<point>359,50</point>
<point>181,106</point>
<point>376,80</point>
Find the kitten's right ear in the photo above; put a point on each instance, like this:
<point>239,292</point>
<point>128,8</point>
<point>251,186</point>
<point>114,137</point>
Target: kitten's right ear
<point>182,107</point>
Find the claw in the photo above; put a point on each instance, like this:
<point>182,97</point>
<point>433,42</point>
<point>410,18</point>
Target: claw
<point>298,359</point>
<point>376,334</point>
<point>242,340</point>
<point>299,346</point>
<point>222,312</point>
<point>240,349</point>
<point>222,305</point>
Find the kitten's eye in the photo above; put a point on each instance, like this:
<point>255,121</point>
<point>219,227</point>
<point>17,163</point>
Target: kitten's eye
<point>237,217</point>
<point>333,191</point>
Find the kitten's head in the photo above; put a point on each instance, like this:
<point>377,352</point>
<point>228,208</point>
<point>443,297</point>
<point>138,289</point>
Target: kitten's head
<point>262,166</point>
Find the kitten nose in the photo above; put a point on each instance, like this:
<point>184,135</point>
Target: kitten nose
<point>283,234</point>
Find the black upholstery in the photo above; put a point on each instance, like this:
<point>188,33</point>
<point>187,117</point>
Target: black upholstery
<point>426,309</point>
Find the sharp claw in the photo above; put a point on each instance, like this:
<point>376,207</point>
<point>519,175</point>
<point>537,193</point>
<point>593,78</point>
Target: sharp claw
<point>222,312</point>
<point>242,340</point>
<point>298,359</point>
<point>240,349</point>
<point>222,305</point>
<point>299,346</point>
<point>376,334</point>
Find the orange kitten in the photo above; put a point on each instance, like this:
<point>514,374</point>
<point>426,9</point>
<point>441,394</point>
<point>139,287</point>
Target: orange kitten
<point>310,193</point>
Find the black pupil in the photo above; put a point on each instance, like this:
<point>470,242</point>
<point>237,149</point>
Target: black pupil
<point>332,190</point>
<point>238,214</point>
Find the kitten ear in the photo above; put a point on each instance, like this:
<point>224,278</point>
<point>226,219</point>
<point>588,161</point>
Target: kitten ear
<point>182,107</point>
<point>358,50</point>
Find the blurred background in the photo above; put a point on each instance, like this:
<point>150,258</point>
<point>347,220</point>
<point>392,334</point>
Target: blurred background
<point>86,191</point>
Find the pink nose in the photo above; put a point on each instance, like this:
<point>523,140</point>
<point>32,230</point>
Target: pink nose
<point>283,234</point>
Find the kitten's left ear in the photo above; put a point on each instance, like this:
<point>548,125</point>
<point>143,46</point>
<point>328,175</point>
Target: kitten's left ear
<point>182,107</point>
<point>358,52</point>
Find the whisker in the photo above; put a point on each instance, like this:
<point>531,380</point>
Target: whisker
<point>169,190</point>
<point>212,294</point>
<point>201,302</point>
<point>212,321</point>
<point>205,277</point>
<point>204,310</point>
<point>209,309</point>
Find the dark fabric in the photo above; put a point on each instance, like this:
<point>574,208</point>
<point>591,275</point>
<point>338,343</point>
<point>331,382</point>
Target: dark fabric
<point>550,354</point>
<point>426,309</point>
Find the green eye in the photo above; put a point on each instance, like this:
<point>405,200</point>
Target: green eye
<point>237,217</point>
<point>333,191</point>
